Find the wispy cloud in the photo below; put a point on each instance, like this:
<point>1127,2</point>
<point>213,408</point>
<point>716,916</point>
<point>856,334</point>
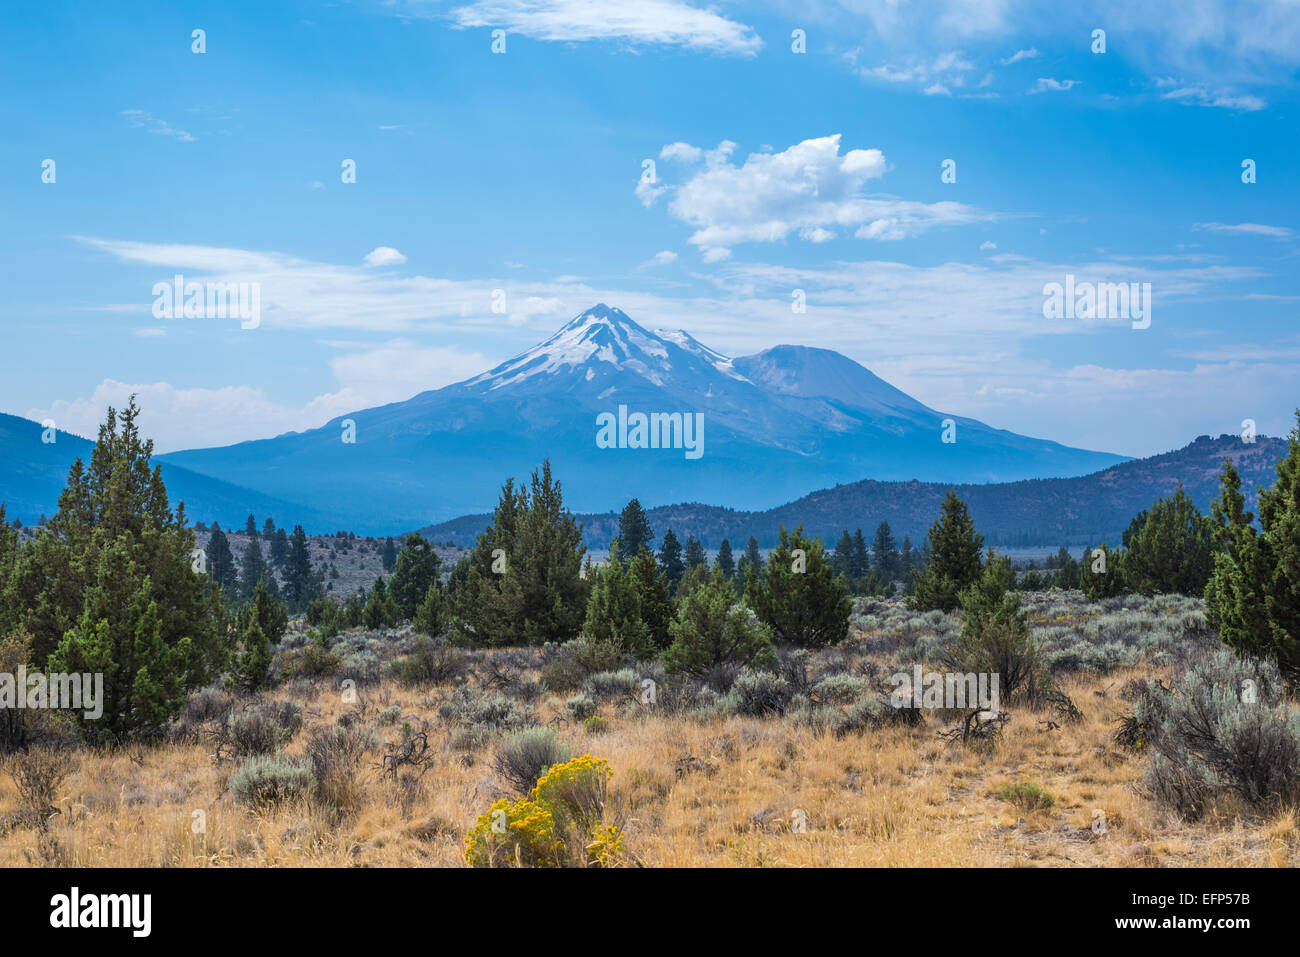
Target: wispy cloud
<point>1249,229</point>
<point>635,22</point>
<point>143,120</point>
<point>1030,54</point>
<point>1046,84</point>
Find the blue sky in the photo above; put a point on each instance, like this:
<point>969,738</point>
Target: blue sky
<point>774,171</point>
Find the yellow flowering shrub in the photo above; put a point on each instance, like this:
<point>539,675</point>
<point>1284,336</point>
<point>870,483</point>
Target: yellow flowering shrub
<point>606,847</point>
<point>563,823</point>
<point>529,837</point>
<point>575,788</point>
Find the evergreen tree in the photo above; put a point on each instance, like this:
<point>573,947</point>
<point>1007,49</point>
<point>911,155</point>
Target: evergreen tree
<point>695,556</point>
<point>523,581</point>
<point>725,563</point>
<point>418,569</point>
<point>628,606</point>
<point>906,560</point>
<point>995,637</point>
<point>268,530</point>
<point>429,615</point>
<point>253,569</point>
<point>221,561</point>
<point>250,526</point>
<point>634,529</point>
<point>253,667</point>
<point>799,596</point>
<point>279,549</point>
<point>1174,549</point>
<point>884,553</point>
<point>389,555</point>
<point>1101,575</point>
<point>751,563</point>
<point>381,610</point>
<point>109,586</point>
<point>860,564</point>
<point>1253,596</point>
<point>271,615</point>
<point>301,584</point>
<point>842,559</point>
<point>712,629</point>
<point>954,559</point>
<point>670,560</point>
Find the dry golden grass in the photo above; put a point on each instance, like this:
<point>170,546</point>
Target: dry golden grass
<point>896,798</point>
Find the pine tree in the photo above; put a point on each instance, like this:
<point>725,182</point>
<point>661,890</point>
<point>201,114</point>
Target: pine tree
<point>221,561</point>
<point>617,609</point>
<point>109,587</point>
<point>634,529</point>
<point>380,610</point>
<point>670,560</point>
<point>1174,549</point>
<point>389,555</point>
<point>279,549</point>
<point>418,569</point>
<point>751,563</point>
<point>712,629</point>
<point>301,584</point>
<point>953,563</point>
<point>860,564</point>
<point>1253,596</point>
<point>799,596</point>
<point>906,559</point>
<point>995,637</point>
<point>695,556</point>
<point>842,560</point>
<point>250,526</point>
<point>725,563</point>
<point>523,580</point>
<point>884,553</point>
<point>252,570</point>
<point>253,667</point>
<point>1101,575</point>
<point>429,615</point>
<point>268,529</point>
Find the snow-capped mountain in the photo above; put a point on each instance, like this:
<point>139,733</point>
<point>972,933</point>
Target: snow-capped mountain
<point>774,426</point>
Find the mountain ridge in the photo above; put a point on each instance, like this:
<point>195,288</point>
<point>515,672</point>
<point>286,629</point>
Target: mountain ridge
<point>1075,511</point>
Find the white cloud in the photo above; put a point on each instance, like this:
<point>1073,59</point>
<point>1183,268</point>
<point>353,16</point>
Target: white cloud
<point>384,256</point>
<point>1204,96</point>
<point>1249,229</point>
<point>1030,54</point>
<point>636,22</point>
<point>662,258</point>
<point>934,76</point>
<point>987,245</point>
<point>142,120</point>
<point>809,190</point>
<point>1046,84</point>
<point>177,418</point>
<point>298,293</point>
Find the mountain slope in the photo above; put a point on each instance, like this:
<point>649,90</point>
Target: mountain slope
<point>33,473</point>
<point>775,425</point>
<point>1060,511</point>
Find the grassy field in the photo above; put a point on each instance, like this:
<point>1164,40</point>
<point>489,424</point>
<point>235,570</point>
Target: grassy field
<point>696,782</point>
